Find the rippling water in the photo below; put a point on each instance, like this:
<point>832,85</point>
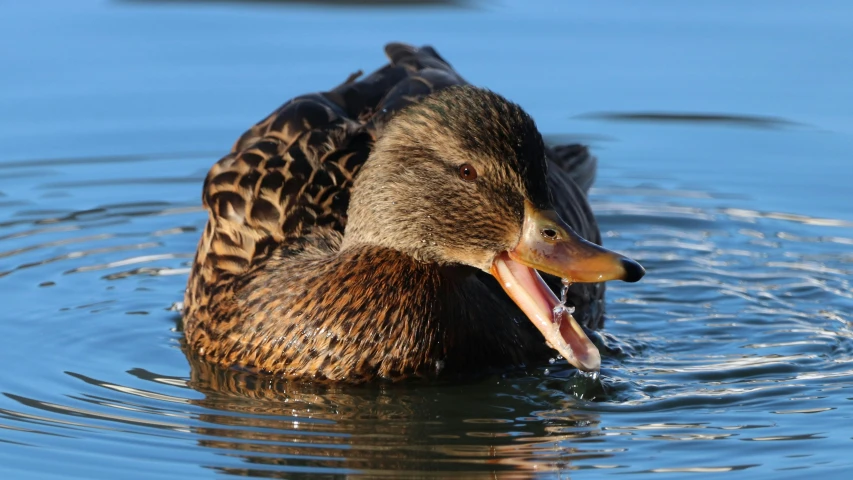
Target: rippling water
<point>733,356</point>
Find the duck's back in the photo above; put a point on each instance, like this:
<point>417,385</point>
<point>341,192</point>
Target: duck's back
<point>285,185</point>
<point>286,181</point>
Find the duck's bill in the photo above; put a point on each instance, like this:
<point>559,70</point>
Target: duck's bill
<point>549,245</point>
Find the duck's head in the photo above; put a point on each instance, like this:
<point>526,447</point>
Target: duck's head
<point>460,178</point>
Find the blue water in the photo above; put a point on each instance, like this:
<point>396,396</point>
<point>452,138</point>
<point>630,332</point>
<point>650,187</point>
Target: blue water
<point>724,133</point>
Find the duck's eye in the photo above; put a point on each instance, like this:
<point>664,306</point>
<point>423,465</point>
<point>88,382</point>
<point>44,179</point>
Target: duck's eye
<point>467,172</point>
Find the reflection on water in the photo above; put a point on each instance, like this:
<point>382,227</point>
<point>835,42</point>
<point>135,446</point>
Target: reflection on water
<point>694,118</point>
<point>415,427</point>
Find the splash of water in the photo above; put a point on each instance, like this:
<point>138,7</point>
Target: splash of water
<point>591,376</point>
<point>561,308</point>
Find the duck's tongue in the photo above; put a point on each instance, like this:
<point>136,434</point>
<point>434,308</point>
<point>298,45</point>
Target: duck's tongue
<point>527,289</point>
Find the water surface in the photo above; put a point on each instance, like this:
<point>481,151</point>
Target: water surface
<point>724,135</point>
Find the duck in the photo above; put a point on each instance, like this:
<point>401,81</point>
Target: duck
<point>402,224</point>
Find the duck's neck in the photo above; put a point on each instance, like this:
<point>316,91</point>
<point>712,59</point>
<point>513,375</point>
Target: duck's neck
<point>371,311</point>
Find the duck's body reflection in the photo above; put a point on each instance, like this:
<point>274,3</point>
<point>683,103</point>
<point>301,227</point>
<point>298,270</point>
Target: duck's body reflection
<point>280,427</point>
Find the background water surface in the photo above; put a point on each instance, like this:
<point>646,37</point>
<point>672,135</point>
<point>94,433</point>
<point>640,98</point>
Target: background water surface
<point>724,132</point>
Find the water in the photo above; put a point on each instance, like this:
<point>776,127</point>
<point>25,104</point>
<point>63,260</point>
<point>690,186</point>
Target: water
<point>724,135</point>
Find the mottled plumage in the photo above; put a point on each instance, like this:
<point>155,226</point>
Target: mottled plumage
<point>277,286</point>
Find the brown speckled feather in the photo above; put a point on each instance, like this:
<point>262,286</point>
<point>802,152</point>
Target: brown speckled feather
<point>291,173</point>
<point>259,296</point>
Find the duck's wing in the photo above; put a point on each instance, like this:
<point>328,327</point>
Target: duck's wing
<point>575,160</point>
<point>286,182</point>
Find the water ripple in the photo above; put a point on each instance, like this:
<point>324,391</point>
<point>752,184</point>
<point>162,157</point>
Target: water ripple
<point>740,334</point>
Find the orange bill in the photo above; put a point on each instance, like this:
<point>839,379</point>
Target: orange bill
<point>549,245</point>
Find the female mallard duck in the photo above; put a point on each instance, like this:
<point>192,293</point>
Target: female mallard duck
<point>393,227</point>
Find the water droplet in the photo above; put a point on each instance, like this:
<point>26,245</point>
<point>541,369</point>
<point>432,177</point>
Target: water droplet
<point>439,366</point>
<point>565,290</point>
<point>547,372</point>
<point>558,315</point>
<point>561,308</point>
<point>552,360</point>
